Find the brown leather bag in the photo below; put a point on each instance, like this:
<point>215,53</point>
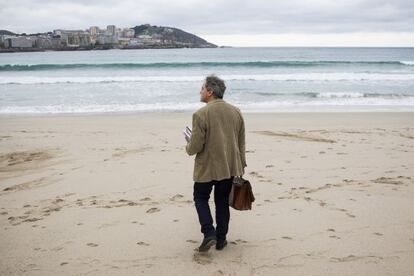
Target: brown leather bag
<point>241,195</point>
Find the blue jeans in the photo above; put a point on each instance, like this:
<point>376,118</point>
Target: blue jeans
<point>201,196</point>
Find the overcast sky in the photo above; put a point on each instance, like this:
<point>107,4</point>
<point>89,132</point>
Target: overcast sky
<point>235,23</point>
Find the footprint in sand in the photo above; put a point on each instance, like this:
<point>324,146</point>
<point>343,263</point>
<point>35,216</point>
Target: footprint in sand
<point>40,182</point>
<point>378,234</point>
<point>32,219</point>
<point>23,157</point>
<point>177,196</point>
<point>31,266</point>
<point>153,210</point>
<point>142,243</point>
<point>91,244</point>
<point>191,241</point>
<point>57,248</point>
<point>64,263</point>
<point>286,238</point>
<point>255,174</point>
<point>123,200</point>
<point>330,230</point>
<point>202,258</point>
<point>50,209</point>
<point>390,171</point>
<point>240,240</point>
<point>57,200</point>
<point>351,258</point>
<point>388,180</point>
<point>145,199</point>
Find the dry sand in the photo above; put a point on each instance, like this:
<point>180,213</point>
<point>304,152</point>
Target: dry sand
<point>112,195</point>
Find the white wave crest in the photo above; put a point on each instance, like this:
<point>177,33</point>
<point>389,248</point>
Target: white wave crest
<point>99,108</point>
<point>269,106</point>
<point>257,77</point>
<point>407,62</point>
<point>340,95</point>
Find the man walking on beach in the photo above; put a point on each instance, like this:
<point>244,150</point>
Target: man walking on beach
<point>218,140</point>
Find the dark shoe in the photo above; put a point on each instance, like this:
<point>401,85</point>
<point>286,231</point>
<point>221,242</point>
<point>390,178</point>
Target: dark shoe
<point>221,244</point>
<point>207,243</point>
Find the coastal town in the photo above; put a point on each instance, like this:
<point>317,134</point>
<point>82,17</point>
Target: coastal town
<point>95,38</point>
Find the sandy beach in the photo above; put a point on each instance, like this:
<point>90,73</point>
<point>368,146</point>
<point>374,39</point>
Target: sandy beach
<point>112,195</point>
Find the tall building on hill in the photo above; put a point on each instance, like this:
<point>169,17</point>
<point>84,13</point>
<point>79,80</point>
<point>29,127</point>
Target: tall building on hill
<point>111,29</point>
<point>94,30</point>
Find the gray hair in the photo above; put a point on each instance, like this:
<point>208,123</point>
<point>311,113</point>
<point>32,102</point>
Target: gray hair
<point>215,85</point>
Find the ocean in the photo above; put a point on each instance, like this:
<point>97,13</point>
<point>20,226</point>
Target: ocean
<point>257,79</point>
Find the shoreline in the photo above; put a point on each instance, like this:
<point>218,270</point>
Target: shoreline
<point>168,113</point>
<point>2,51</point>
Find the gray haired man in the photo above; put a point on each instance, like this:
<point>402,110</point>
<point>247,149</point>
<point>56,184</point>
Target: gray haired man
<point>218,140</point>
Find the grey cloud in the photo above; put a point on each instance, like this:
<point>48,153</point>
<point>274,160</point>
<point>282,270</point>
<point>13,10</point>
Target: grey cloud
<point>214,16</point>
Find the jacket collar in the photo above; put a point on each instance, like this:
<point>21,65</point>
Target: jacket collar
<point>215,101</point>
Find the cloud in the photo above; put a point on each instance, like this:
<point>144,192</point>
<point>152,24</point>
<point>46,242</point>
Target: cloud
<point>377,39</point>
<point>214,17</point>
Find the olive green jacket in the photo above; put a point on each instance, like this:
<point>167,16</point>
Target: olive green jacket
<point>218,139</point>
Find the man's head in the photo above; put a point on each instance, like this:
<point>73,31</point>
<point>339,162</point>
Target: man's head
<point>213,88</point>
